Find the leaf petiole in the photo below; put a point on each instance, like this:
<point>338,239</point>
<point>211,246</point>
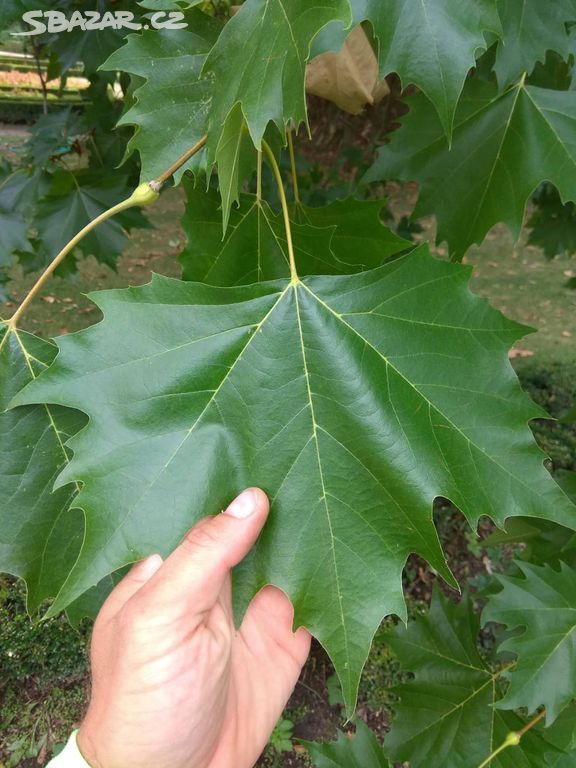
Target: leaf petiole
<point>513,739</point>
<point>144,194</point>
<point>284,203</point>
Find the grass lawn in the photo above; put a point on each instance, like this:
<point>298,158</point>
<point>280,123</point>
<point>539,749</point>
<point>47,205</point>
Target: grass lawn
<point>519,281</point>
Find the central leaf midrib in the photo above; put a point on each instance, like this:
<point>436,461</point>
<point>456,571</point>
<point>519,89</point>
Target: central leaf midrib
<point>497,159</point>
<point>321,473</point>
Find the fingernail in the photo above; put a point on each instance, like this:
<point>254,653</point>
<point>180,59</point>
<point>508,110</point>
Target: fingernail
<point>244,505</point>
<point>150,566</point>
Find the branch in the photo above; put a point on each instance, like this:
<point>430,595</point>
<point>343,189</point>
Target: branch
<point>180,162</point>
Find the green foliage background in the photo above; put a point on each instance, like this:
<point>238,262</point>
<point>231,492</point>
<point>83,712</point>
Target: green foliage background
<point>316,353</point>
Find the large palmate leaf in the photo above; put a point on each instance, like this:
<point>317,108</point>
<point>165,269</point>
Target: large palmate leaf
<point>39,537</point>
<point>345,237</point>
<point>53,134</point>
<point>431,44</point>
<point>451,694</point>
<point>504,146</point>
<point>267,76</point>
<point>530,29</point>
<point>544,604</point>
<point>359,751</point>
<point>353,401</point>
<point>170,111</point>
<point>445,717</point>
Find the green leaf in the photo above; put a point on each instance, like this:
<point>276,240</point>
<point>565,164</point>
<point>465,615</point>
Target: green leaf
<point>20,191</point>
<point>342,238</point>
<point>431,44</point>
<point>53,135</point>
<point>530,29</point>
<point>446,718</point>
<point>552,225</point>
<point>86,47</point>
<point>12,10</point>
<point>544,603</point>
<point>360,751</point>
<point>39,537</point>
<point>566,479</point>
<point>537,748</point>
<point>564,732</point>
<point>72,201</point>
<point>263,83</point>
<point>353,401</point>
<point>236,158</point>
<point>504,146</point>
<point>171,109</point>
<point>360,239</point>
<point>18,195</point>
<point>88,605</point>
<point>545,542</point>
<point>13,237</point>
<point>266,77</point>
<point>451,693</point>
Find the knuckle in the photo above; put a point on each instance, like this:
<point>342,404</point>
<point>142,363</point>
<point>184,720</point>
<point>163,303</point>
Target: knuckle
<point>202,537</point>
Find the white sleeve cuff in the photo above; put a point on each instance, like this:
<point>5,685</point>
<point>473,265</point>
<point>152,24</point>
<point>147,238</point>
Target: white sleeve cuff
<point>70,757</point>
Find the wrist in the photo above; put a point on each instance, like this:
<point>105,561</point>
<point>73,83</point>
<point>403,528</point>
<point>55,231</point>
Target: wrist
<point>87,746</point>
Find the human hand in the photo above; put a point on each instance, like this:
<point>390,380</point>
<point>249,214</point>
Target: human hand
<point>173,684</point>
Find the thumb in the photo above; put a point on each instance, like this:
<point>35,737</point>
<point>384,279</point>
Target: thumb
<point>192,577</point>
